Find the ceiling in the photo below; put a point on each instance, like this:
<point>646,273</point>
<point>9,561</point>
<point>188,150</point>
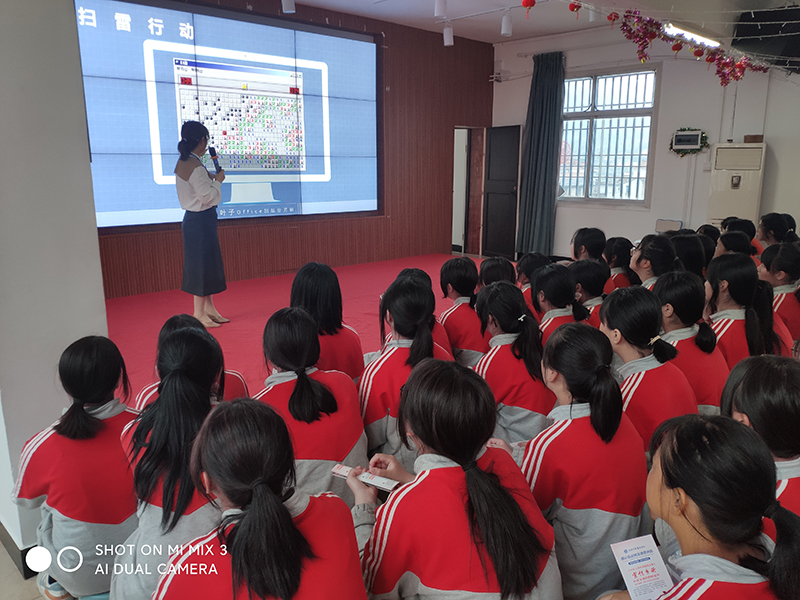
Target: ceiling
<point>549,17</point>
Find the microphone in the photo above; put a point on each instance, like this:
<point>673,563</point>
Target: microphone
<point>213,153</point>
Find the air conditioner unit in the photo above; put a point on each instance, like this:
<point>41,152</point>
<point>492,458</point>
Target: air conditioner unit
<point>736,177</point>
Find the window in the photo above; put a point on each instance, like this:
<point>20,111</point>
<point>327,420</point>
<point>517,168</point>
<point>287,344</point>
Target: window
<point>606,140</point>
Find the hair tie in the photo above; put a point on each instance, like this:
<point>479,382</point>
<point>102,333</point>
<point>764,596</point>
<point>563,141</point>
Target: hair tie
<point>257,482</point>
<point>600,368</point>
<point>654,340</point>
<point>772,509</point>
<point>521,319</point>
<point>470,465</point>
<point>299,372</point>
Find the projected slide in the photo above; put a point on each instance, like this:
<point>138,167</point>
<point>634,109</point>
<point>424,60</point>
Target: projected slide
<point>291,113</point>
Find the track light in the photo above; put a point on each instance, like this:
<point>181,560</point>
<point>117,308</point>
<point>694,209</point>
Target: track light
<point>440,9</point>
<point>448,34</point>
<point>288,6</point>
<point>505,28</point>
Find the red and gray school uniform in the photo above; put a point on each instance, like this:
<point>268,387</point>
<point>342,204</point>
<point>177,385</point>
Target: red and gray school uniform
<point>593,493</point>
<point>553,319</point>
<point>334,573</point>
<point>729,325</point>
<point>418,544</point>
<point>379,397</point>
<point>334,438</point>
<point>782,331</point>
<point>705,372</point>
<point>147,548</point>
<point>617,280</point>
<point>787,491</point>
<point>522,401</point>
<point>650,282</point>
<point>235,387</point>
<point>653,392</point>
<point>593,306</point>
<point>528,296</point>
<point>341,352</point>
<point>85,491</point>
<point>786,305</point>
<point>463,327</point>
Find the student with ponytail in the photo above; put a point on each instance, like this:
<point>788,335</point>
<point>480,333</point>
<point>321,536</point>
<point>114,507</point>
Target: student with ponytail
<point>587,471</point>
<point>588,243</point>
<point>653,389</point>
<point>774,228</point>
<point>320,407</point>
<point>712,483</point>
<point>740,307</point>
<point>467,525</point>
<point>76,471</point>
<point>553,293</point>
<point>512,367</point>
<point>590,277</point>
<point>407,308</point>
<point>437,330</point>
<point>618,256</point>
<point>735,242</point>
<point>652,257</point>
<point>171,512</point>
<point>780,266</point>
<point>494,269</point>
<point>682,297</point>
<point>459,278</point>
<point>274,540</point>
<point>527,264</point>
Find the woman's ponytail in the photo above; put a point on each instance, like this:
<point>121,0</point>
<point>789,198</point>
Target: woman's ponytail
<point>705,339</point>
<point>411,303</point>
<point>579,311</point>
<point>310,399</point>
<point>762,306</point>
<point>192,133</point>
<point>663,351</point>
<point>422,344</point>
<point>782,571</point>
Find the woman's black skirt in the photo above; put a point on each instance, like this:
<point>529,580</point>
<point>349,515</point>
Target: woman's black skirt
<point>203,272</point>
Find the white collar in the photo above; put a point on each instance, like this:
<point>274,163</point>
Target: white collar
<point>461,300</point>
<point>638,366</point>
<point>789,288</point>
<point>737,314</point>
<point>284,376</point>
<point>576,410</point>
<point>503,339</point>
<point>526,287</point>
<point>714,568</point>
<point>592,302</point>
<point>650,282</point>
<point>399,343</point>
<point>103,411</point>
<point>557,312</point>
<point>678,335</point>
<point>426,462</point>
<point>617,271</point>
<point>788,469</point>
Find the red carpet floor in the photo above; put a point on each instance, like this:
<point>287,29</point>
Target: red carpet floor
<point>134,321</point>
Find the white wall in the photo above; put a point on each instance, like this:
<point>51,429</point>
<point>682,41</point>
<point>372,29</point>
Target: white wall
<point>689,96</point>
<point>52,289</point>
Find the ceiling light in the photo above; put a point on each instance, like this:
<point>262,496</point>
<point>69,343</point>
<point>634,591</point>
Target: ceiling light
<point>448,34</point>
<point>288,6</point>
<point>505,28</point>
<point>671,29</point>
<point>440,9</point>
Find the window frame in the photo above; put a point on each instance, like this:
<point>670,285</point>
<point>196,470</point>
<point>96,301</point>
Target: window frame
<point>591,115</point>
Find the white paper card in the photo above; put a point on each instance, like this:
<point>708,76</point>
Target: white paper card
<point>642,567</point>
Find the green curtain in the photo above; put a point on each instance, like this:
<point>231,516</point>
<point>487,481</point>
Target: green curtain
<point>541,151</point>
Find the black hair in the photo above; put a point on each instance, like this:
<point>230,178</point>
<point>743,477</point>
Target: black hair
<point>504,301</point>
<point>417,274</point>
<point>176,322</point>
<point>746,226</point>
<point>736,241</point>
<point>636,312</point>
<point>290,343</point>
<point>192,133</point>
<point>90,370</point>
<point>709,231</point>
<point>709,247</point>
<point>728,472</point>
<point>779,227</point>
<point>530,262</point>
<point>658,249</point>
<point>558,286</point>
<point>689,249</point>
<point>453,413</point>
<point>593,241</point>
<point>316,288</point>
<point>411,304</point>
<point>189,363</point>
<point>497,268</point>
<point>782,257</point>
<point>686,293</point>
<point>245,449</point>
<point>726,222</point>
<point>618,255</point>
<point>591,274</point>
<point>462,274</point>
<point>582,355</point>
<point>747,290</point>
<point>767,389</point>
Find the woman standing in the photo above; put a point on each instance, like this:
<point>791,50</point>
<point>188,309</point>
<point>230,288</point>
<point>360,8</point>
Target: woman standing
<point>199,194</point>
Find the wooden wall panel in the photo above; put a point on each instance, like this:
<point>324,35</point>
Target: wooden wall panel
<point>428,90</point>
<point>477,162</point>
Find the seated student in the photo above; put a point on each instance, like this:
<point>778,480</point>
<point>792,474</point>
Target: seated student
<point>459,278</point>
<point>653,389</point>
<point>316,288</point>
<point>274,541</point>
<point>618,256</point>
<point>438,331</point>
<point>763,392</point>
<point>682,297</point>
<point>76,471</point>
<point>512,367</point>
<point>709,231</point>
<point>775,228</point>
<point>780,267</point>
<point>527,264</point>
<point>233,383</point>
<point>689,249</point>
<point>553,293</point>
<point>590,279</point>
<point>749,229</point>
<point>712,482</point>
<point>587,471</point>
<point>407,308</point>
<point>494,269</point>
<point>588,242</point>
<point>467,524</point>
<point>708,237</point>
<point>190,364</point>
<point>735,241</point>
<point>652,257</point>
<point>740,308</point>
<point>320,408</point>
<point>723,225</point>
